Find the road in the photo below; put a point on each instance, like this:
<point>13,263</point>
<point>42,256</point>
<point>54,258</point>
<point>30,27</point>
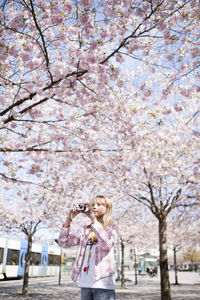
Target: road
<point>146,289</point>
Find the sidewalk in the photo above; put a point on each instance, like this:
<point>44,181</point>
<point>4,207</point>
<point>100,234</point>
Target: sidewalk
<point>146,289</point>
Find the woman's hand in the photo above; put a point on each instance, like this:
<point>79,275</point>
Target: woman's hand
<point>89,212</point>
<point>73,211</point>
<point>72,214</point>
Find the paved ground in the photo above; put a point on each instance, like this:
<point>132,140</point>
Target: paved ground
<point>146,289</point>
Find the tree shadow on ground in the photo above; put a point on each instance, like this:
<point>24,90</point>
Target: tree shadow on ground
<point>12,293</point>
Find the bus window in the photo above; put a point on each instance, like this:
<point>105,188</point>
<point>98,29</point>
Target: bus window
<point>54,260</point>
<point>57,259</point>
<point>1,255</point>
<point>35,258</point>
<point>51,262</point>
<point>13,257</point>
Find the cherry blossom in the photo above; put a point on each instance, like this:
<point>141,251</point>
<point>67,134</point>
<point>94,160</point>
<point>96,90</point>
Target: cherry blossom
<point>96,97</point>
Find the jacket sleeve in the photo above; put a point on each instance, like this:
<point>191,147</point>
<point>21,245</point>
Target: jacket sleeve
<point>67,239</point>
<point>106,237</point>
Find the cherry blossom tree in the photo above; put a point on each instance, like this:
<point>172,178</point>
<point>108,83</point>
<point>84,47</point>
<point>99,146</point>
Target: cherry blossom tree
<point>192,255</point>
<point>24,213</point>
<point>82,85</point>
<point>182,234</point>
<point>60,59</point>
<point>133,224</point>
<point>160,170</point>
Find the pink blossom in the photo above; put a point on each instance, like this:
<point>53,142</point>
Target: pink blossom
<point>133,46</point>
<point>28,48</point>
<point>67,6</point>
<point>198,89</point>
<point>172,77</point>
<point>196,170</point>
<point>182,68</point>
<point>86,3</point>
<point>111,12</point>
<point>62,36</point>
<point>36,113</point>
<point>140,12</point>
<point>101,70</point>
<point>146,6</point>
<point>14,113</point>
<point>161,26</point>
<point>195,64</point>
<point>13,52</point>
<point>177,108</point>
<point>2,99</point>
<point>25,57</point>
<point>119,58</point>
<point>120,83</point>
<point>93,45</point>
<point>167,35</point>
<point>95,127</point>
<point>45,15</point>
<point>79,53</point>
<point>84,19</point>
<point>170,57</point>
<point>91,68</point>
<point>57,19</point>
<point>49,35</point>
<point>92,59</point>
<point>1,14</point>
<point>185,92</point>
<point>148,93</point>
<point>57,44</point>
<point>167,112</point>
<point>103,34</point>
<point>194,54</point>
<point>31,27</point>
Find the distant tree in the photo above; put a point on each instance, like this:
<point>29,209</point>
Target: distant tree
<point>182,233</point>
<point>135,231</point>
<point>192,255</point>
<point>24,216</point>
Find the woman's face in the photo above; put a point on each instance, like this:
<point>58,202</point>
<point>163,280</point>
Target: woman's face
<point>99,208</point>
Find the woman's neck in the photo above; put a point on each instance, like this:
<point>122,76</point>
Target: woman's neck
<point>100,220</point>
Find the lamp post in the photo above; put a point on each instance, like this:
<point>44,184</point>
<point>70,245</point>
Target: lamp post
<point>135,266</point>
<point>60,267</point>
<point>60,264</point>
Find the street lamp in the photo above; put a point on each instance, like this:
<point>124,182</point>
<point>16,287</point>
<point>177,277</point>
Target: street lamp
<point>60,264</point>
<point>135,266</point>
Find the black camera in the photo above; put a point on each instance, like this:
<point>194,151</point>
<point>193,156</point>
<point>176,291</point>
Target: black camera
<point>81,207</point>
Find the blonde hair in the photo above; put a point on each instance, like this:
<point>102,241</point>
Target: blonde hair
<point>107,217</point>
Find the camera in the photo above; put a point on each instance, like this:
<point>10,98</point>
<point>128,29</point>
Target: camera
<point>81,207</point>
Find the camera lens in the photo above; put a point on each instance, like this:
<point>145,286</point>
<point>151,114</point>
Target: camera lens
<point>81,207</point>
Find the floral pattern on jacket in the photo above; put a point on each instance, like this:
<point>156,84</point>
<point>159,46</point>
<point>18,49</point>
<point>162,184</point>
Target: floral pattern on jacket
<point>104,257</point>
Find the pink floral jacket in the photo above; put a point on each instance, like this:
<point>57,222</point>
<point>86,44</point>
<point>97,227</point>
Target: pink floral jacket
<point>104,256</point>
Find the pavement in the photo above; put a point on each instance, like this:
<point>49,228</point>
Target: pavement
<point>147,288</point>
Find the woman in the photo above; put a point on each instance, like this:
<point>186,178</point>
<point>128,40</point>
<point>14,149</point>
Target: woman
<point>94,264</point>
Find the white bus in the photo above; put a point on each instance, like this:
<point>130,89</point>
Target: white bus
<point>45,259</point>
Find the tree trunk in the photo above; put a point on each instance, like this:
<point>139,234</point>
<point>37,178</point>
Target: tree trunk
<point>122,266</point>
<point>175,266</point>
<point>164,272</point>
<point>27,264</point>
